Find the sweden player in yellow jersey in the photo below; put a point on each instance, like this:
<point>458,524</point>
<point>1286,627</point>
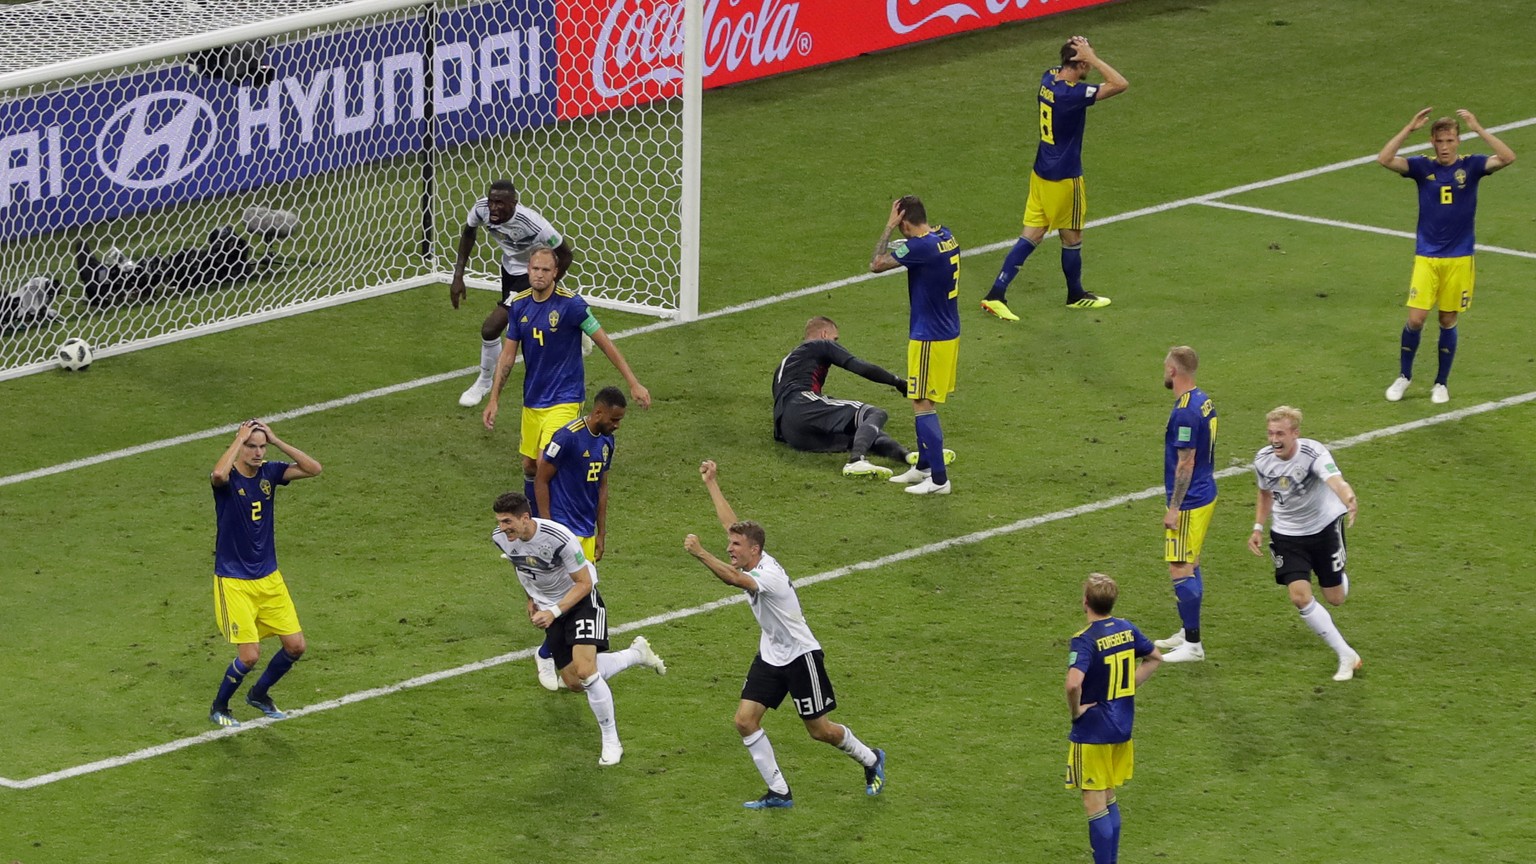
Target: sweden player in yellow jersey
<point>932,257</point>
<point>1058,198</point>
<point>1443,267</point>
<point>1102,679</point>
<point>1189,458</point>
<point>547,322</point>
<point>250,597</point>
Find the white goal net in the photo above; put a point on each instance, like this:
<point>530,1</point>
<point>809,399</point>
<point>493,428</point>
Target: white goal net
<point>174,168</point>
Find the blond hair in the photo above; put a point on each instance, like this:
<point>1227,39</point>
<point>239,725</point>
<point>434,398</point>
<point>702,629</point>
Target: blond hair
<point>1184,359</point>
<point>1286,413</point>
<point>1100,593</point>
<point>817,324</point>
<point>1443,124</point>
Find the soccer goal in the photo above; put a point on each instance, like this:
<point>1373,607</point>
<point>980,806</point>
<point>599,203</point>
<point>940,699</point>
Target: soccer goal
<point>172,168</point>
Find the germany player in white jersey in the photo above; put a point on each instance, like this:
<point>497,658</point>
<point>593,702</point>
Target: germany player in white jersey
<point>561,585</point>
<point>518,231</point>
<point>1301,486</point>
<point>789,660</point>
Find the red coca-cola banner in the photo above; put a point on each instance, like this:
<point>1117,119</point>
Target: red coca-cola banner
<point>615,53</point>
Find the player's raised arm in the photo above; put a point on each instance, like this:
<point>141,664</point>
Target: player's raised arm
<point>726,573</point>
<point>226,463</point>
<point>456,288</point>
<point>1114,83</point>
<point>1502,154</point>
<point>709,473</point>
<point>303,465</point>
<point>1388,157</point>
<point>883,260</point>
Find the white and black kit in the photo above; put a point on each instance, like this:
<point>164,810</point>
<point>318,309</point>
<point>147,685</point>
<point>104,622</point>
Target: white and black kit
<point>1306,533</point>
<point>524,232</point>
<point>544,566</point>
<point>789,660</point>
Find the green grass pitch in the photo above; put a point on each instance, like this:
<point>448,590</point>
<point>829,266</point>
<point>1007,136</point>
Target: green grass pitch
<point>951,661</point>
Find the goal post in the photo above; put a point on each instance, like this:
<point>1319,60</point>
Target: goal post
<point>175,168</point>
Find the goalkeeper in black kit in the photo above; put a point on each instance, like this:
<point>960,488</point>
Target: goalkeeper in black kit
<point>807,419</point>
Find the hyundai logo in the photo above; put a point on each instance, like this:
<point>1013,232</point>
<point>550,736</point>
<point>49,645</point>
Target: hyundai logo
<point>157,139</point>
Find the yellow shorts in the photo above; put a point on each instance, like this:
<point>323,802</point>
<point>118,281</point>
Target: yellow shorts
<point>931,369</point>
<point>541,424</point>
<point>588,547</point>
<point>1056,203</point>
<point>249,610</point>
<point>1099,766</point>
<point>1442,282</point>
<point>1182,545</point>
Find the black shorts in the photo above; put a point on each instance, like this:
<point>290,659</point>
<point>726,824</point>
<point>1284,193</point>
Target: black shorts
<point>585,624</point>
<point>511,285</point>
<point>804,679</point>
<point>1297,558</point>
<point>820,427</point>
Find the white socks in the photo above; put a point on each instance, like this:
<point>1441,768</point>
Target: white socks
<point>1317,618</point>
<point>600,700</point>
<point>855,748</point>
<point>611,664</point>
<point>762,757</point>
<point>490,352</point>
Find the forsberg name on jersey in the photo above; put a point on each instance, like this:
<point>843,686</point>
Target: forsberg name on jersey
<point>1114,639</point>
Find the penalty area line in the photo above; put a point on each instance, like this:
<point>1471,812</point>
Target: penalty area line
<point>1353,226</point>
<point>734,599</point>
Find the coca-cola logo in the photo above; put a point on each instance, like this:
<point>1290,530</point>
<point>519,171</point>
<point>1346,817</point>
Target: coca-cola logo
<point>641,41</point>
<point>955,12</point>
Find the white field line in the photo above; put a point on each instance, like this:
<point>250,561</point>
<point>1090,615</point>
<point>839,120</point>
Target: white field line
<point>718,313</point>
<point>654,620</point>
<point>1353,226</point>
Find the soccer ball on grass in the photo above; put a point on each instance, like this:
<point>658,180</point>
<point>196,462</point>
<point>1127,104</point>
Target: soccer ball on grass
<point>75,355</point>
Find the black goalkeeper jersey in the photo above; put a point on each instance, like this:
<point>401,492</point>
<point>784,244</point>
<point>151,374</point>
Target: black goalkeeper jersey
<point>804,370</point>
